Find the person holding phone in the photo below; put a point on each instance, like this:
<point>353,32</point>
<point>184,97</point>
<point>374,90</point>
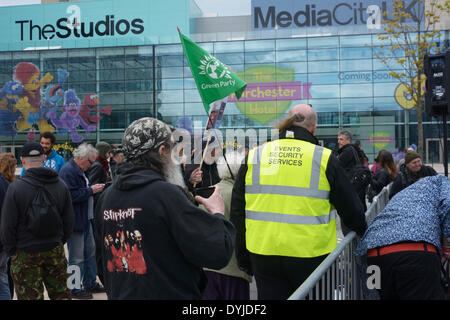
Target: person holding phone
<point>170,239</point>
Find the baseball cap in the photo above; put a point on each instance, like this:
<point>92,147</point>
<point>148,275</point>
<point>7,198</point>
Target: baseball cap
<point>31,149</point>
<point>145,134</point>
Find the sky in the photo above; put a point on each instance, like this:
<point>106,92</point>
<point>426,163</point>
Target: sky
<point>209,7</point>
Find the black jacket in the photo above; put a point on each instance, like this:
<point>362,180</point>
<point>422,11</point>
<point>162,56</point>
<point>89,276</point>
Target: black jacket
<point>342,196</point>
<point>380,180</point>
<point>13,230</point>
<point>155,241</point>
<point>405,178</point>
<point>347,156</point>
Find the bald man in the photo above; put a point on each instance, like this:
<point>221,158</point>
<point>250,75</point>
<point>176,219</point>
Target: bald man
<point>284,205</point>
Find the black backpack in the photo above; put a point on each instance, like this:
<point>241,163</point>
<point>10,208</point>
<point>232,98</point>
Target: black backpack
<point>361,176</point>
<point>42,215</point>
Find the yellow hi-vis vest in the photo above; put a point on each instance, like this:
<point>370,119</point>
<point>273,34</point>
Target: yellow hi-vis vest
<point>287,211</point>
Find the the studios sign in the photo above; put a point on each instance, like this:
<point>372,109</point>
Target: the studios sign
<point>75,26</point>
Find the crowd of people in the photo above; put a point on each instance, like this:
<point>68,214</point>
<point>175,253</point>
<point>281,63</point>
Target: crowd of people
<point>136,226</point>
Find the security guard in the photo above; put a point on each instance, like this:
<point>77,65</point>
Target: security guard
<point>284,206</point>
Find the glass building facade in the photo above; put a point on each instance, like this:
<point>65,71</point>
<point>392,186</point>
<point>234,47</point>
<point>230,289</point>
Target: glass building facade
<point>338,75</point>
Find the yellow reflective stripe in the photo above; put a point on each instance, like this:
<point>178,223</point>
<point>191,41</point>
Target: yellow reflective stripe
<point>287,191</point>
<point>289,218</point>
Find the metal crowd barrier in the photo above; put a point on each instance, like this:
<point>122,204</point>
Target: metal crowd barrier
<point>337,277</point>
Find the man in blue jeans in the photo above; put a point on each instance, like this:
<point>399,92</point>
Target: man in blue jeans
<point>81,245</point>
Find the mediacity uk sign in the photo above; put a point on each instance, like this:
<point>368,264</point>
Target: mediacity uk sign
<point>290,14</point>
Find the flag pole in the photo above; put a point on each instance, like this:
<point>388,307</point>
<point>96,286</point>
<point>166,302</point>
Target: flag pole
<point>203,156</point>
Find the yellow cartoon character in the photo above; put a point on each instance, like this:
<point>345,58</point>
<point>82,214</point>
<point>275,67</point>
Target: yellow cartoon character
<point>28,74</point>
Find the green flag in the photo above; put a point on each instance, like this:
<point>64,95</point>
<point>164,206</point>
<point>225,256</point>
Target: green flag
<point>214,79</point>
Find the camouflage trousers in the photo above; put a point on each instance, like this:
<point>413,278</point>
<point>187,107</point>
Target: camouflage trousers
<point>31,270</point>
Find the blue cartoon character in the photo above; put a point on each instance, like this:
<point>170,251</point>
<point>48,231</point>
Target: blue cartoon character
<point>9,95</point>
<point>70,119</point>
<point>54,93</point>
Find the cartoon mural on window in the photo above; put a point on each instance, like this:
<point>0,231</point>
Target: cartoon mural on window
<point>29,103</point>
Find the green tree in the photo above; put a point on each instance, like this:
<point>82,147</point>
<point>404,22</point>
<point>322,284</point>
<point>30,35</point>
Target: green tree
<point>411,33</point>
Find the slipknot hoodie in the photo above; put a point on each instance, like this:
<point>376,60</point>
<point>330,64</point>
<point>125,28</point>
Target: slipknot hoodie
<point>155,242</point>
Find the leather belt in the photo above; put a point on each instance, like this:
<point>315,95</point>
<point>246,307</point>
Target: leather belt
<point>399,247</point>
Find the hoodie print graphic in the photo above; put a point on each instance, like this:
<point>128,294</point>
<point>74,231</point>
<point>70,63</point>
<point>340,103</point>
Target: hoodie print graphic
<point>123,243</point>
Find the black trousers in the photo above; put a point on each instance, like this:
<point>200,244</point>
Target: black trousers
<point>278,277</point>
<point>409,275</point>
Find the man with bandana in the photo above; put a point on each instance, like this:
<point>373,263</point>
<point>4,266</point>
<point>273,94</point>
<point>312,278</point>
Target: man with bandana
<point>177,239</point>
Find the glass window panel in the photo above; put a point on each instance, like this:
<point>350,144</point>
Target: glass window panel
<point>259,57</point>
<point>116,120</point>
<point>391,65</point>
<point>323,78</point>
<point>189,83</point>
<point>168,96</point>
<point>136,98</point>
<point>111,98</point>
<point>194,109</point>
<point>385,89</point>
<point>137,114</point>
<point>323,66</point>
<point>173,84</point>
<point>325,105</point>
<point>297,67</point>
<point>259,45</point>
<point>356,90</point>
<point>207,46</point>
<point>111,62</point>
<point>171,72</point>
<point>6,66</point>
<point>171,49</point>
<point>356,65</point>
<point>138,74</point>
<point>355,40</point>
<point>291,44</point>
<point>192,96</point>
<point>111,74</point>
<point>53,64</point>
<point>111,86</point>
<point>169,61</point>
<point>231,58</point>
<point>303,77</point>
<point>142,85</point>
<point>387,51</point>
<point>231,46</point>
<point>356,104</point>
<point>323,42</point>
<point>356,53</point>
<point>75,76</point>
<point>81,63</point>
<point>329,54</point>
<point>324,91</point>
<point>136,61</point>
<point>297,55</point>
<point>85,87</point>
<point>170,109</point>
